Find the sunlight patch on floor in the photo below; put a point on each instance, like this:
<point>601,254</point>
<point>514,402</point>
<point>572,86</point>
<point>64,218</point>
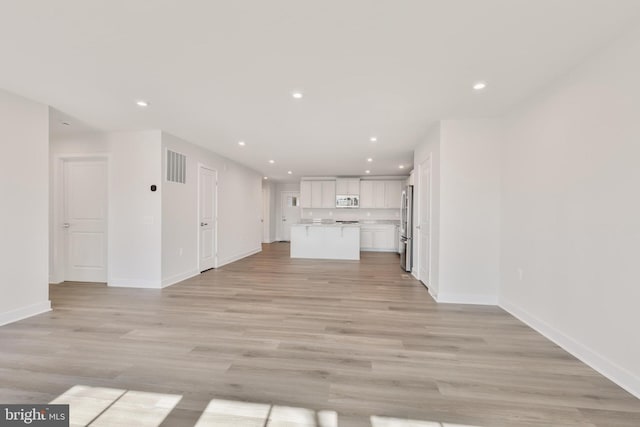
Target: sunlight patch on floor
<point>107,407</point>
<point>100,406</point>
<point>86,403</point>
<point>232,413</point>
<point>400,422</point>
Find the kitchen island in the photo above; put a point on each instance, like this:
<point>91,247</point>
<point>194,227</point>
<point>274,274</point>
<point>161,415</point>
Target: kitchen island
<point>325,241</point>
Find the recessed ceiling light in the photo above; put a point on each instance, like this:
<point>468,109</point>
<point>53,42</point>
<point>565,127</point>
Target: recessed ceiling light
<point>272,161</point>
<point>401,166</point>
<point>266,177</point>
<point>373,139</point>
<point>479,85</point>
<point>241,143</point>
<point>297,95</point>
<point>142,103</point>
<point>289,172</point>
<point>367,171</point>
<point>369,160</point>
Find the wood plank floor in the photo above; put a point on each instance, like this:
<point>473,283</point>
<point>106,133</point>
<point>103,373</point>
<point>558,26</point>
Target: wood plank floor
<point>358,338</point>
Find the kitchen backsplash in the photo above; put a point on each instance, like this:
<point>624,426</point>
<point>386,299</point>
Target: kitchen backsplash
<point>351,214</point>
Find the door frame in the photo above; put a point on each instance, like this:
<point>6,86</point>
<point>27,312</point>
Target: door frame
<point>202,166</point>
<point>266,214</point>
<point>418,231</point>
<point>57,245</point>
<point>282,198</point>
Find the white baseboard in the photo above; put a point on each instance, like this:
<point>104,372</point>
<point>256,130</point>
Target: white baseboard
<point>54,280</point>
<point>134,283</point>
<point>24,312</point>
<point>229,260</point>
<point>606,367</point>
<point>447,298</point>
<point>179,278</point>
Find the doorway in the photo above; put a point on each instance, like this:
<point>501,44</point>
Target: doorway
<point>290,213</point>
<point>207,219</point>
<point>82,220</point>
<point>424,224</point>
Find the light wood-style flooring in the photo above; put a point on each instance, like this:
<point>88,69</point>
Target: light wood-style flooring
<point>358,338</point>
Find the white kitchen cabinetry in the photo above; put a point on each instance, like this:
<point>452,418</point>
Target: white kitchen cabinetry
<point>347,187</point>
<point>305,194</point>
<point>379,237</point>
<point>380,194</point>
<point>392,194</point>
<point>318,194</point>
<point>366,194</point>
<point>328,194</point>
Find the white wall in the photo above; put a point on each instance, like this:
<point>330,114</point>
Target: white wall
<point>239,211</point>
<point>134,234</point>
<point>465,210</point>
<point>153,236</point>
<point>470,211</point>
<point>571,213</point>
<point>24,169</point>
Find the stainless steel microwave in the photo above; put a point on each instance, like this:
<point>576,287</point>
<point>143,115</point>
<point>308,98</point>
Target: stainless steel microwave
<point>347,201</point>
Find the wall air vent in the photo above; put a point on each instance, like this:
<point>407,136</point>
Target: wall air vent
<point>176,167</point>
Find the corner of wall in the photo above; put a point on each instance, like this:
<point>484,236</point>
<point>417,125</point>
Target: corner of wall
<point>616,373</point>
<point>24,312</point>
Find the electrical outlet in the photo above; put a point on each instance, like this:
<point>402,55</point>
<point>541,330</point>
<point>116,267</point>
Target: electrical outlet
<point>180,251</point>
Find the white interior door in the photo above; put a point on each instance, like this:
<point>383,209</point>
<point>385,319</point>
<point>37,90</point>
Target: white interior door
<point>207,183</point>
<point>424,223</point>
<point>85,220</point>
<point>290,212</point>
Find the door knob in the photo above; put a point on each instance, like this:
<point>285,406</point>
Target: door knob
<point>66,225</point>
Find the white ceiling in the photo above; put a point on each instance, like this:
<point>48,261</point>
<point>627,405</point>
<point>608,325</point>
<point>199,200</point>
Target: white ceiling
<point>216,72</point>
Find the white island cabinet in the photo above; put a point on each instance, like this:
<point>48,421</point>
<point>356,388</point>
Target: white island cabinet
<point>325,241</point>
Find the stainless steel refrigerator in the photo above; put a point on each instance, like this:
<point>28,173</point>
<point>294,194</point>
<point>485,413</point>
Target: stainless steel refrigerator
<point>406,229</point>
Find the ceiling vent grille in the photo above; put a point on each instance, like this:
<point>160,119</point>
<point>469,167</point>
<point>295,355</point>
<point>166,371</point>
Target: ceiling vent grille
<point>176,167</point>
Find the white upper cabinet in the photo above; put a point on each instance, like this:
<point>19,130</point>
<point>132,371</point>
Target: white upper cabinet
<point>366,194</point>
<point>353,187</point>
<point>374,194</point>
<point>379,194</point>
<point>318,194</point>
<point>305,194</point>
<point>347,186</point>
<point>328,194</point>
<point>392,194</point>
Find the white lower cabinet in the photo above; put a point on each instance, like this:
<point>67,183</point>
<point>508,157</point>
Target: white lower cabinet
<point>379,237</point>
